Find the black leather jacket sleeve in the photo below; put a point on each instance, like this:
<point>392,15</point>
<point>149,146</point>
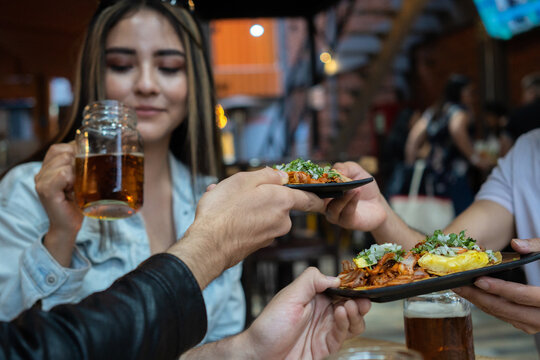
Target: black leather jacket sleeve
<point>155,312</point>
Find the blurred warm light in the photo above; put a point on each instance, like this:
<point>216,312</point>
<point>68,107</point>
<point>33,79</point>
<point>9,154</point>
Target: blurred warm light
<point>221,119</point>
<point>227,146</point>
<point>311,223</point>
<point>325,57</point>
<point>256,30</point>
<point>369,163</point>
<point>331,67</point>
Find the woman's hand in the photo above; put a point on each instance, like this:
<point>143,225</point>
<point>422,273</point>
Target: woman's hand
<point>514,303</point>
<point>361,208</point>
<point>54,185</point>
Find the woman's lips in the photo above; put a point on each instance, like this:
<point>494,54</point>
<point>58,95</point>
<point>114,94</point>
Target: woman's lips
<point>148,111</point>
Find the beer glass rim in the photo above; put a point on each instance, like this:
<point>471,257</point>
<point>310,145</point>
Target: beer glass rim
<point>436,294</point>
<point>360,353</point>
<point>106,108</point>
<point>447,303</point>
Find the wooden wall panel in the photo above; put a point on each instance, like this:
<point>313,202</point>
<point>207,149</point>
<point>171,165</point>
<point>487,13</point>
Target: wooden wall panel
<point>257,84</point>
<point>243,64</point>
<point>232,44</point>
<point>43,37</point>
<point>454,52</point>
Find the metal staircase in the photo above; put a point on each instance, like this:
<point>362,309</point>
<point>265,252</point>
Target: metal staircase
<point>371,39</point>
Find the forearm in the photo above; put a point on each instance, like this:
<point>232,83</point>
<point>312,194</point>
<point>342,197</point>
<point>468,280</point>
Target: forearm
<point>60,245</point>
<point>465,146</point>
<point>193,250</point>
<point>234,347</point>
<point>416,137</point>
<point>487,222</point>
<point>411,150</point>
<point>394,230</point>
<point>156,311</point>
<point>460,136</point>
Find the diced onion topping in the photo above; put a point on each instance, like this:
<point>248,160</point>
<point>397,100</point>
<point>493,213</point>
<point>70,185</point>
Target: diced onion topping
<point>491,255</point>
<point>376,252</point>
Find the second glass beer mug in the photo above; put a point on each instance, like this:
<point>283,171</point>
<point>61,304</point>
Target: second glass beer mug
<point>109,165</point>
<point>439,326</point>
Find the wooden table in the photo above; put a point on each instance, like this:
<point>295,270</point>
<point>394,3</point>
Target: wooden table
<point>365,342</point>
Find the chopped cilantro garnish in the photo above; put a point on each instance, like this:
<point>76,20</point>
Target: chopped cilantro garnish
<point>444,244</point>
<point>376,253</point>
<point>314,170</point>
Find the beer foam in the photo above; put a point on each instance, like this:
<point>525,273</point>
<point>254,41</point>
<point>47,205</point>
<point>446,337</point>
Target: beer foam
<point>434,310</point>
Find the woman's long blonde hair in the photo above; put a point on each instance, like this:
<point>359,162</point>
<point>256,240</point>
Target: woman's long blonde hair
<point>195,141</point>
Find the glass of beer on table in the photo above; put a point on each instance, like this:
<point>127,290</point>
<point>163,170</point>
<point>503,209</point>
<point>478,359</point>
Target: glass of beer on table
<point>109,164</point>
<point>439,326</point>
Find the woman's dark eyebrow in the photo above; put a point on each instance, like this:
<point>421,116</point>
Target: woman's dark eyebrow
<point>119,50</point>
<point>128,51</point>
<point>168,52</point>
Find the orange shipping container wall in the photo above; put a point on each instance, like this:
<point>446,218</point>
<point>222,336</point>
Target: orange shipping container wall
<point>243,64</point>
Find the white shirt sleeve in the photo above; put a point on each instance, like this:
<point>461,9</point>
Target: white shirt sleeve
<point>498,186</point>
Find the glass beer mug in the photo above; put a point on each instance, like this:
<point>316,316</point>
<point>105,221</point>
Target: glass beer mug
<point>109,164</point>
<point>439,326</point>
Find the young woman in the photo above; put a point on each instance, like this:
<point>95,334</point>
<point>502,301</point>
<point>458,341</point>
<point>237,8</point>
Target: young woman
<point>149,55</point>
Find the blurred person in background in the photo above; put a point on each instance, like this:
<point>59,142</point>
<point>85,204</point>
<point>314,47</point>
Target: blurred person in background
<point>525,117</point>
<point>447,128</point>
<point>151,56</point>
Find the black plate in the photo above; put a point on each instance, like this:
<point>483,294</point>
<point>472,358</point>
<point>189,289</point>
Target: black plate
<point>331,190</point>
<point>398,292</point>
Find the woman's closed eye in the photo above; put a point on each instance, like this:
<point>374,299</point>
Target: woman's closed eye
<point>171,70</point>
<point>171,65</point>
<point>120,68</point>
<point>119,63</point>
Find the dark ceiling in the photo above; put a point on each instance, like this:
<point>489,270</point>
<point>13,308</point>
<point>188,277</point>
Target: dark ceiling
<point>212,9</point>
<point>39,36</point>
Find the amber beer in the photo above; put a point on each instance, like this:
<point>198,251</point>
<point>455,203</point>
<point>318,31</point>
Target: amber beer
<point>439,331</point>
<point>109,186</point>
